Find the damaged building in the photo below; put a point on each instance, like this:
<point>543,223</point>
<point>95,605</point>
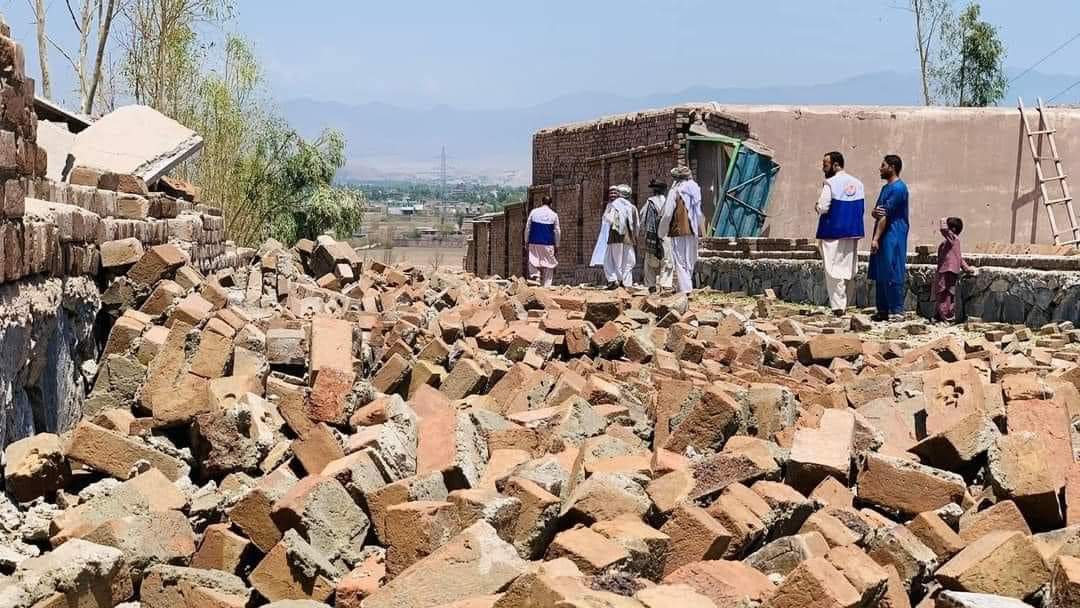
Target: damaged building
<point>575,164</point>
<point>312,429</point>
<point>82,198</point>
<point>760,171</point>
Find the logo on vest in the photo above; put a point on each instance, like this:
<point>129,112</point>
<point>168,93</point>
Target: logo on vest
<point>850,190</point>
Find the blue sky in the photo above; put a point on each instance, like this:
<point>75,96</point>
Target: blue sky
<point>488,54</point>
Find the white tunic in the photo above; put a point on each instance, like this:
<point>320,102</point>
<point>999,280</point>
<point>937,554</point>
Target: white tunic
<point>619,210</point>
<point>684,249</point>
<point>542,256</point>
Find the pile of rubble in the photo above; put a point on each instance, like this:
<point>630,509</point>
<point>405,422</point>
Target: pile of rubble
<point>75,209</point>
<point>313,429</point>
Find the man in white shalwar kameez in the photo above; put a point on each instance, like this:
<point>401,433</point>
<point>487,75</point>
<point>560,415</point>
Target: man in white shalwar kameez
<point>682,220</point>
<point>542,234</point>
<point>615,244</point>
<point>840,209</point>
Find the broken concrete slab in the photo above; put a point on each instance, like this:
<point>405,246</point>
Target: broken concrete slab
<point>135,140</point>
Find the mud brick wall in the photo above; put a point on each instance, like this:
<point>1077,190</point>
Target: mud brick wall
<point>198,229</point>
<point>498,246</point>
<point>575,164</point>
<point>483,248</point>
<point>469,264</point>
<point>515,241</point>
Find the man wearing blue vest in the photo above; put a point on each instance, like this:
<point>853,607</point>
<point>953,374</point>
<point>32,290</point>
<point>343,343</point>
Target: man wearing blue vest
<point>840,226</point>
<point>542,234</point>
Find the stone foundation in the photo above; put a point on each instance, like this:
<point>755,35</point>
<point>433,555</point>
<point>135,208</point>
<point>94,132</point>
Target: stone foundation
<point>46,335</point>
<point>1012,295</point>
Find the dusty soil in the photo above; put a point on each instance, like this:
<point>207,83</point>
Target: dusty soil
<point>427,258</point>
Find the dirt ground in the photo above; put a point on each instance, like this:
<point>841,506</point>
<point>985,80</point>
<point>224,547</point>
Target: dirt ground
<point>427,258</point>
<point>913,330</point>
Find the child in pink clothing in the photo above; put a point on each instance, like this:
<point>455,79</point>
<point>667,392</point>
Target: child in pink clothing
<point>949,267</point>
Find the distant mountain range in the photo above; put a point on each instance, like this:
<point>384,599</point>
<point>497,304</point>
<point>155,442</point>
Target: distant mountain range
<point>388,141</point>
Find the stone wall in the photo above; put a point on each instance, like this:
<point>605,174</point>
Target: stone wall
<point>1012,295</point>
<point>973,163</point>
<point>46,337</point>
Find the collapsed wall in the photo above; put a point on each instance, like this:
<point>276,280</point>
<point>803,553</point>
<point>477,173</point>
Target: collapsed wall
<point>973,163</point>
<point>312,429</point>
<point>61,247</point>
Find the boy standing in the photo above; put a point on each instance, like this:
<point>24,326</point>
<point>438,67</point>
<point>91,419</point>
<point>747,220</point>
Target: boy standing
<point>950,265</point>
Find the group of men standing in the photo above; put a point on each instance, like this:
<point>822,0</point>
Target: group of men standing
<point>669,223</point>
<point>667,226</point>
<point>840,207</point>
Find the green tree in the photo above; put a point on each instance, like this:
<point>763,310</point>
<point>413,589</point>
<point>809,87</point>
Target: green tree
<point>164,52</point>
<point>305,201</point>
<point>267,179</point>
<point>931,19</point>
<point>971,72</point>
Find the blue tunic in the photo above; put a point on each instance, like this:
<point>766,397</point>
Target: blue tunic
<point>888,267</point>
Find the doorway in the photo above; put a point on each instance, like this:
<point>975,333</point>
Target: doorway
<point>710,158</point>
<point>736,179</point>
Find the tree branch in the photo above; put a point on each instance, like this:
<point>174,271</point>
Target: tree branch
<point>43,50</point>
<point>61,50</point>
<point>71,12</point>
<point>103,40</point>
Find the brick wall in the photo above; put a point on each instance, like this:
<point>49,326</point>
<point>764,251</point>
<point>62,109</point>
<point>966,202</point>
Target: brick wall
<point>470,256</point>
<point>515,241</point>
<point>574,164</point>
<point>497,235</point>
<point>58,229</point>
<point>483,248</point>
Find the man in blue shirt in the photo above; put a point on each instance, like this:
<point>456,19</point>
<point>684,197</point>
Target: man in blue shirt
<point>888,250</point>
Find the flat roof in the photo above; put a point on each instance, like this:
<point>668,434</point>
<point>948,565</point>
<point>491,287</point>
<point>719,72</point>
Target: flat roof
<point>47,109</point>
<point>711,107</point>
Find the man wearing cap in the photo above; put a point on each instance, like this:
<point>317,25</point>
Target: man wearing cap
<point>657,247</point>
<point>682,221</point>
<point>615,244</point>
<point>542,234</point>
<point>840,226</point>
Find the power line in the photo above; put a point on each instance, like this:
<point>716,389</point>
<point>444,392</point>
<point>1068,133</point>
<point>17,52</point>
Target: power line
<point>1067,89</point>
<point>1049,55</point>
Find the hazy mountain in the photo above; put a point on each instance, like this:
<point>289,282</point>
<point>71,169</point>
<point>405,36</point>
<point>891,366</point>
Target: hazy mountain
<point>394,141</point>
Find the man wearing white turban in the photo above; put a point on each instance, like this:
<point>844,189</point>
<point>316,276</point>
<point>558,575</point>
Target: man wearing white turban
<point>615,243</point>
<point>682,220</point>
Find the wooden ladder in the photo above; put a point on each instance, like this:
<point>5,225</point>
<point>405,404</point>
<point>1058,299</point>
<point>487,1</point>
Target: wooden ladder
<point>1059,177</point>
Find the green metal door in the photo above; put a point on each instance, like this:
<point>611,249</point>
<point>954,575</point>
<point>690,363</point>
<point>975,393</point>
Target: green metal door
<point>742,210</point>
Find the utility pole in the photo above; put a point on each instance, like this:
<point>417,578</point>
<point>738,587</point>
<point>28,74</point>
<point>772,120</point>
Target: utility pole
<point>442,187</point>
<point>442,176</point>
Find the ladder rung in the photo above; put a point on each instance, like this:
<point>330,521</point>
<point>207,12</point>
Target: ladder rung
<point>1043,132</point>
<point>1066,231</point>
<point>1053,158</point>
<point>1058,201</point>
<point>1069,242</point>
<point>1053,178</point>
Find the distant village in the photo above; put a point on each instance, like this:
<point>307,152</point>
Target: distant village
<point>427,214</point>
